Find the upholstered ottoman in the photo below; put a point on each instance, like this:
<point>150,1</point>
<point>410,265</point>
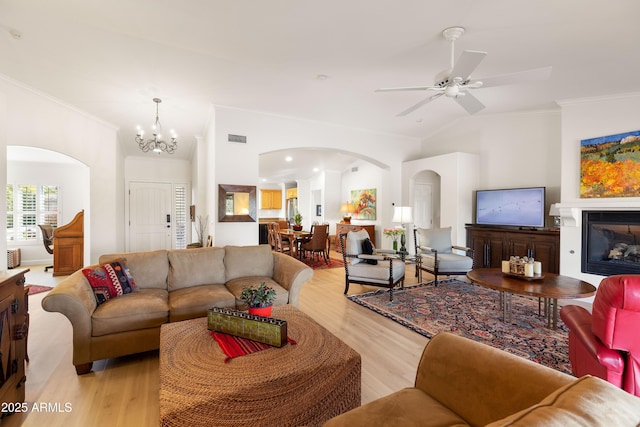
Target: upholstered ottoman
<point>306,383</point>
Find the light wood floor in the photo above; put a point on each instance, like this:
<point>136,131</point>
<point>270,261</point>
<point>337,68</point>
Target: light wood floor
<point>124,391</point>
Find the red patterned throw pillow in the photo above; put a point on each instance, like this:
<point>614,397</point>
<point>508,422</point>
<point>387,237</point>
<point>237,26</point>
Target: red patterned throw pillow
<point>110,280</point>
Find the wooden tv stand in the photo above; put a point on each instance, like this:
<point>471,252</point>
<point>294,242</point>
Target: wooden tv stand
<point>492,245</point>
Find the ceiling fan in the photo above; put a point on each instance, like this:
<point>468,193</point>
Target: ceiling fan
<point>456,81</point>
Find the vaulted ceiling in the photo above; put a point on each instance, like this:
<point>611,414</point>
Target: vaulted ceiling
<point>314,60</point>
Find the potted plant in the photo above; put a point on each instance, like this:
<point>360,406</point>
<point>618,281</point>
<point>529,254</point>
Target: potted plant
<point>297,218</point>
<point>259,299</point>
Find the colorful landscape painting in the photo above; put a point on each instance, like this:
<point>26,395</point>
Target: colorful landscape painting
<point>365,203</point>
<point>610,166</point>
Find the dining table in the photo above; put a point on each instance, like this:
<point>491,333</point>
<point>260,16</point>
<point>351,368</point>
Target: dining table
<point>295,238</point>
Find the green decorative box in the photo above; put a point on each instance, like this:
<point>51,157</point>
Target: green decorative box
<point>240,324</point>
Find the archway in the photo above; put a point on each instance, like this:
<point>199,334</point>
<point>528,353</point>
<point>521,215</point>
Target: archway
<point>41,167</point>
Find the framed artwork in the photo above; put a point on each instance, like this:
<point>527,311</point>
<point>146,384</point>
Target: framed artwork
<point>365,203</point>
<point>610,166</point>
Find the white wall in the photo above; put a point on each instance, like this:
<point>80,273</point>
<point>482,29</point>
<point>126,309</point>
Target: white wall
<point>583,119</point>
<point>237,164</point>
<point>370,176</point>
<point>459,175</point>
<point>514,149</point>
<point>33,119</point>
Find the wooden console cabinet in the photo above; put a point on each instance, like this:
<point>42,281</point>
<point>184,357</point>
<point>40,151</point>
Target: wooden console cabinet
<point>13,335</point>
<point>345,228</point>
<point>491,245</point>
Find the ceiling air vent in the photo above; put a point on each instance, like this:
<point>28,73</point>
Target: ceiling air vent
<point>354,169</point>
<point>238,138</point>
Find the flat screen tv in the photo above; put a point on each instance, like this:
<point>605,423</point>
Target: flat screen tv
<point>520,207</point>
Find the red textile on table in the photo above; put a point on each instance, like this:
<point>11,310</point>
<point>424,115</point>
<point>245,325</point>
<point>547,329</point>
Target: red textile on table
<point>234,346</point>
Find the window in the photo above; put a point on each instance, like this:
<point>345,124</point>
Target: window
<point>180,199</point>
<point>28,206</point>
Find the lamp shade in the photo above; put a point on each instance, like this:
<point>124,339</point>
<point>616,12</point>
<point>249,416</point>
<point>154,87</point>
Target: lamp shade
<point>553,210</point>
<point>347,208</point>
<point>402,214</point>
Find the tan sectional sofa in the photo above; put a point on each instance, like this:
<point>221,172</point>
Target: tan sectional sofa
<point>173,285</point>
<point>460,382</point>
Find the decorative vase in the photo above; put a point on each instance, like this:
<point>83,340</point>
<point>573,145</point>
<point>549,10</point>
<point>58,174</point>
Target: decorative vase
<point>297,227</point>
<point>261,311</point>
<point>395,245</point>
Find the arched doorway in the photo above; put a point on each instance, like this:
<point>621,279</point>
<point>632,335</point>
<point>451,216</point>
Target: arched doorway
<point>66,180</point>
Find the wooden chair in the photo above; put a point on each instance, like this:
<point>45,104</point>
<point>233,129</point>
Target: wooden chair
<point>282,243</point>
<point>271,235</point>
<point>317,243</point>
<point>372,270</point>
<point>434,253</point>
<point>47,240</point>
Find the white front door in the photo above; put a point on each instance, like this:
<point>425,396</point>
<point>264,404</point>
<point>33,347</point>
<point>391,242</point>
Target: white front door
<point>423,205</point>
<point>149,216</point>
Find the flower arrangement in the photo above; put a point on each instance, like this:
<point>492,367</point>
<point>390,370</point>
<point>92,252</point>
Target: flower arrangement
<point>261,296</point>
<point>394,233</point>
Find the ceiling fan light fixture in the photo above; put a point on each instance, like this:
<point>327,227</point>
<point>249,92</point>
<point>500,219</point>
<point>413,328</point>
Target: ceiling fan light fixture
<point>452,91</point>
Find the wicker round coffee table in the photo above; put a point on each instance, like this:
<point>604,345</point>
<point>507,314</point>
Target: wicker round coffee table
<point>302,384</point>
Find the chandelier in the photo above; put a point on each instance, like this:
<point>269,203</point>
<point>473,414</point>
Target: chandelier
<point>156,144</point>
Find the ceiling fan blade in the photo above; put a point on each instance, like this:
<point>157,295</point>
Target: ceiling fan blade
<point>467,62</point>
<point>419,104</point>
<point>394,89</point>
<point>529,76</point>
<point>469,103</point>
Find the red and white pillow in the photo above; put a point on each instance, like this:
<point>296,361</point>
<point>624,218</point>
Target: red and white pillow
<point>110,280</point>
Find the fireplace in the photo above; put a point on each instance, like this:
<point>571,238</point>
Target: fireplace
<point>611,242</point>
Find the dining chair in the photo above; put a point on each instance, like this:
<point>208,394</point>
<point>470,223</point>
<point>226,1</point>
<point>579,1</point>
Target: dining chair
<point>317,243</point>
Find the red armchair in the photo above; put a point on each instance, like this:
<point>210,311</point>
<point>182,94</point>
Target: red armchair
<point>606,343</point>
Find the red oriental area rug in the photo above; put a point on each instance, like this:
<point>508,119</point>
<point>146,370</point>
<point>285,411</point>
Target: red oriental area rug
<point>473,312</point>
<point>319,264</point>
<point>36,289</point>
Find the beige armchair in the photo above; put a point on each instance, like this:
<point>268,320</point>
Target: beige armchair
<point>371,269</point>
<point>435,253</point>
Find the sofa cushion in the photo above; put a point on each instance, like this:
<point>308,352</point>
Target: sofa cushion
<point>447,262</point>
<point>192,302</point>
<point>378,273</point>
<point>193,267</point>
<point>150,268</point>
<point>588,401</point>
<point>236,286</point>
<point>110,280</point>
<point>245,261</point>
<point>354,243</point>
<point>435,238</point>
<point>146,308</point>
<point>407,407</point>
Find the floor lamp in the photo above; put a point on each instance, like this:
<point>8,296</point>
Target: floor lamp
<point>402,215</point>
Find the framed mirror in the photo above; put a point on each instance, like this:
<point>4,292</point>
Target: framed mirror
<point>237,203</point>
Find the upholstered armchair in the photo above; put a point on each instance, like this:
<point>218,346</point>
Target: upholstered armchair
<point>363,267</point>
<point>436,254</point>
<point>606,343</point>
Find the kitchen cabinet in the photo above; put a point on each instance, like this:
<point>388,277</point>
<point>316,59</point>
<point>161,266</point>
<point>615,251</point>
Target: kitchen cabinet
<point>270,199</point>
